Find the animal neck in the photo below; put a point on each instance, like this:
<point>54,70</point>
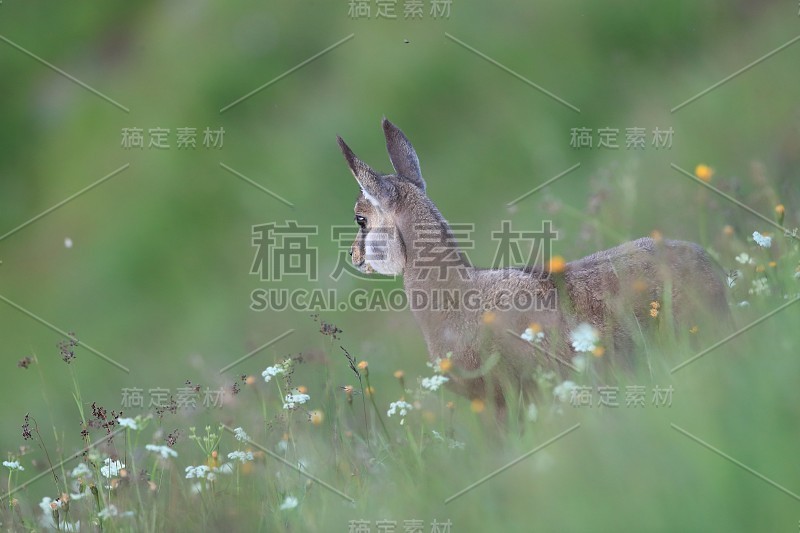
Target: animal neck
<point>433,258</point>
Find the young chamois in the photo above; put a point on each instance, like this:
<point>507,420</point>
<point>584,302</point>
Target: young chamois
<point>475,316</point>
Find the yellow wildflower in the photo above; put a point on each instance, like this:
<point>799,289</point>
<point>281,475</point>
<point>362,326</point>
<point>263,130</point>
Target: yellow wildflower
<point>477,405</point>
<point>557,264</point>
<point>704,172</point>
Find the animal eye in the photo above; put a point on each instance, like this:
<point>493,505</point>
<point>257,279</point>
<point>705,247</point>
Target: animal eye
<point>361,221</point>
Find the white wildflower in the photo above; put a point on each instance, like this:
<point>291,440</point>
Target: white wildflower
<point>744,303</point>
<point>67,242</point>
<point>563,392</point>
<point>437,364</point>
<point>584,338</point>
<point>455,444</point>
<point>532,413</point>
<point>289,503</point>
<point>547,377</point>
<point>82,470</point>
<point>164,451</point>
<point>762,240</point>
<point>129,423</point>
<point>400,408</point>
<point>48,505</point>
<point>760,286</point>
<point>240,435</point>
<point>744,259</point>
<point>111,468</point>
<point>293,400</point>
<point>109,511</point>
<point>198,472</point>
<point>272,371</point>
<point>451,443</point>
<point>13,465</point>
<point>240,456</point>
<point>531,336</point>
<point>433,383</point>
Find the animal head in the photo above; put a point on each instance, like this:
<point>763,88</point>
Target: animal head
<point>384,200</point>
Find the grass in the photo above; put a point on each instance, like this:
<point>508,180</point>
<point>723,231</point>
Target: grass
<point>705,446</point>
<point>484,138</point>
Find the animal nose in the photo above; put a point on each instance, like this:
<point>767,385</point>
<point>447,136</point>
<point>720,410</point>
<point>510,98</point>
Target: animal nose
<point>351,252</point>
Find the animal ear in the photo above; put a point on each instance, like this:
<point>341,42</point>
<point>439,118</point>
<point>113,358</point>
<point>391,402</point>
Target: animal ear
<point>375,188</point>
<point>402,155</point>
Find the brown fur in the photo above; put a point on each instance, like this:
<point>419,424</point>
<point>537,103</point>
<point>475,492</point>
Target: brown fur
<point>611,289</point>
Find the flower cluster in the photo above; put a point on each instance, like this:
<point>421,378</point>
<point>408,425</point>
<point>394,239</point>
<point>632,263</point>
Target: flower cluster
<point>563,391</point>
<point>240,456</point>
<point>293,400</point>
<point>274,370</point>
<point>401,408</point>
<point>82,470</point>
<point>434,382</point>
<point>129,423</point>
<point>240,435</point>
<point>584,338</point>
<point>67,348</point>
<point>442,365</point>
<point>289,503</point>
<point>13,465</point>
<point>199,472</point>
<point>451,443</point>
<point>533,334</point>
<point>111,468</point>
<point>762,240</point>
<point>164,451</point>
<point>760,286</point>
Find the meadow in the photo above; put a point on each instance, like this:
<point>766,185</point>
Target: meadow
<point>146,385</point>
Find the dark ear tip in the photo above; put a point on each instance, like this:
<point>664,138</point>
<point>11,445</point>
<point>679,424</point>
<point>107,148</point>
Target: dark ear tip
<point>387,126</point>
<point>346,151</point>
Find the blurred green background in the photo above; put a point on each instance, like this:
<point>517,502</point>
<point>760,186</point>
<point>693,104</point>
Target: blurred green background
<point>158,274</point>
